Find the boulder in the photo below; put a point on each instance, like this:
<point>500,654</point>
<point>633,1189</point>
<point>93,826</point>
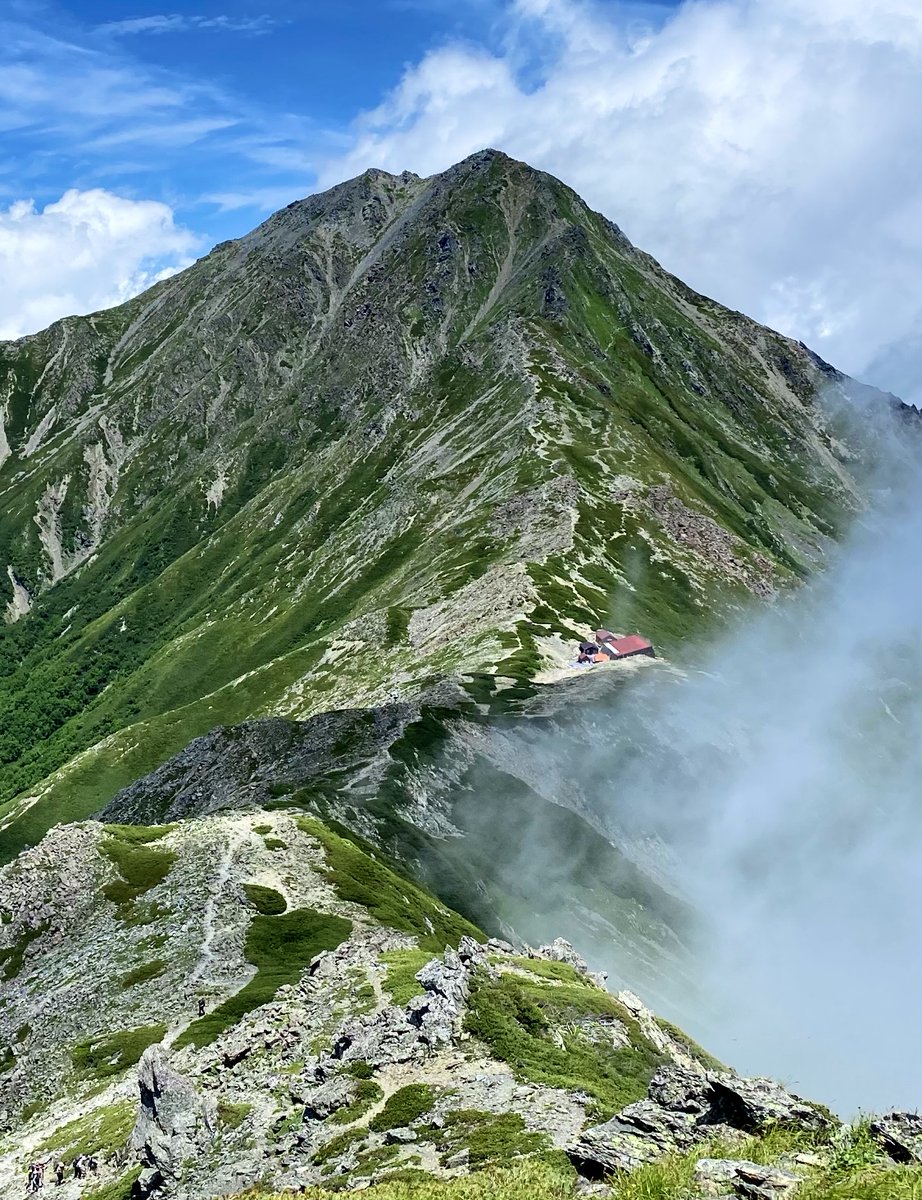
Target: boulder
<point>899,1134</point>
<point>174,1121</point>
<point>748,1180</point>
<point>387,1038</point>
<point>683,1108</point>
<point>757,1103</point>
<point>323,1099</point>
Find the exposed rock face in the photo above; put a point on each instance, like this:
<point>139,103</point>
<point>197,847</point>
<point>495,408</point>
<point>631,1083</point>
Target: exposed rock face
<point>686,1107</point>
<point>174,1123</point>
<point>746,1180</point>
<point>900,1135</point>
<point>446,982</point>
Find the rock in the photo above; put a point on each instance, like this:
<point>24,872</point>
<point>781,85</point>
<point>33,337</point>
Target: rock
<point>685,1107</point>
<point>400,1137</point>
<point>446,984</point>
<point>748,1180</point>
<point>386,1039</point>
<point>899,1135</point>
<point>326,1098</point>
<point>754,1104</point>
<point>560,950</point>
<point>174,1122</point>
<point>461,1159</point>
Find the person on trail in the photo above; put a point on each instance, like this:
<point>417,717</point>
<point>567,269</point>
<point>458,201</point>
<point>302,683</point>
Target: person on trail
<point>59,1172</point>
<point>201,1007</point>
<point>80,1167</point>
<point>36,1176</point>
<point>92,1164</point>
<point>32,1186</point>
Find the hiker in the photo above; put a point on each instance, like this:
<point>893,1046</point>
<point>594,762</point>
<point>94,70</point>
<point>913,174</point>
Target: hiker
<point>36,1176</point>
<point>201,1007</point>
<point>93,1164</point>
<point>80,1167</point>
<point>59,1172</point>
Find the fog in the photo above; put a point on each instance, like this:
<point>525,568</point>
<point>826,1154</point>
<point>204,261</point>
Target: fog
<point>783,775</point>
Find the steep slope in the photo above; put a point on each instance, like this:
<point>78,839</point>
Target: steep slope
<point>248,1002</point>
<point>405,429</point>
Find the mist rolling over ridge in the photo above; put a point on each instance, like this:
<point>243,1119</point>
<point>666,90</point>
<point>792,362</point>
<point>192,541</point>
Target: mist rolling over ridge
<point>777,786</point>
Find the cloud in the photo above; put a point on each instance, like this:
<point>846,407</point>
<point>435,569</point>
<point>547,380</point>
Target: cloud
<point>185,23</point>
<point>86,251</point>
<point>758,149</point>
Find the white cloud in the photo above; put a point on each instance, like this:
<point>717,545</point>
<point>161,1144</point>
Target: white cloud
<point>759,148</point>
<point>88,250</point>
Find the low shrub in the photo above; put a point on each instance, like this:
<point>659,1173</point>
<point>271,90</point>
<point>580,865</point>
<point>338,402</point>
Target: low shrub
<point>265,900</point>
<point>404,1107</point>
<point>143,974</point>
<point>400,980</point>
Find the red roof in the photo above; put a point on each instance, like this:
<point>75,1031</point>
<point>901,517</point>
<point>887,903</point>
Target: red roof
<point>631,644</point>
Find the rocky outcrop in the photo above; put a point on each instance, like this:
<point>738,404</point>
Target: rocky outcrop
<point>900,1136</point>
<point>174,1125</point>
<point>446,983</point>
<point>684,1108</point>
<point>746,1180</point>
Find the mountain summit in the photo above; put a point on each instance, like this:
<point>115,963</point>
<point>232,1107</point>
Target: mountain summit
<point>405,429</point>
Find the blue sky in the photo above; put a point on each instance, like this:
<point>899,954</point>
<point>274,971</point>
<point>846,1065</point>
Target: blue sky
<point>224,110</point>
<point>759,148</point>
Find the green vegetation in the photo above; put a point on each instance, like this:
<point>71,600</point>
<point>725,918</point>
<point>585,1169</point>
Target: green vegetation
<point>138,835</point>
<point>119,1189</point>
<point>232,1114</point>
<point>338,1145</point>
<point>265,900</point>
<point>273,843</point>
<point>262,829</point>
<point>102,1131</point>
<point>23,1032</point>
<point>12,957</point>
<point>367,1095</point>
<point>544,1031</point>
<point>139,865</point>
<point>102,1057</point>
<point>489,1138</point>
<point>280,947</point>
<point>360,1069</point>
<point>527,1179</point>
<point>404,1107</point>
<point>548,968</point>
<point>356,872</point>
<point>690,1046</point>
<point>400,979</point>
<point>143,974</point>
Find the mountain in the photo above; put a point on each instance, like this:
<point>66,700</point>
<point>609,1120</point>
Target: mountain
<point>405,430</point>
<point>299,544</point>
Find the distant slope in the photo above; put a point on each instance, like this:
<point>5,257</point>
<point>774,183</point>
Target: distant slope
<point>405,429</point>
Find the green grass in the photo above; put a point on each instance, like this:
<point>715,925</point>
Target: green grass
<point>528,1179</point>
<point>547,968</point>
<point>143,974</point>
<point>119,1189</point>
<point>139,865</point>
<point>265,900</point>
<point>138,835</point>
<point>102,1057</point>
<point>358,875</point>
<point>519,1022</point>
<point>367,1094</point>
<point>103,1131</point>
<point>280,947</point>
<point>400,978</point>
<point>13,957</point>
<point>232,1114</point>
<point>489,1138</point>
<point>690,1046</point>
<point>404,1107</point>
